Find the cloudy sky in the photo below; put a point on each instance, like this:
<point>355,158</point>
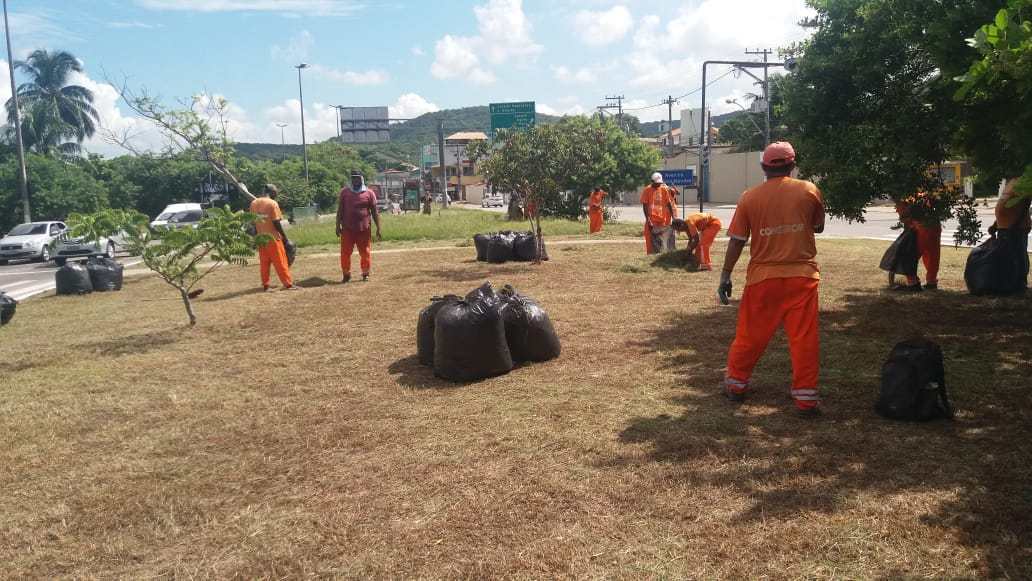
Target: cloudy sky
<point>412,55</point>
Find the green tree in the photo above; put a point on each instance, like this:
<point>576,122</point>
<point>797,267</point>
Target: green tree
<point>996,93</point>
<point>57,116</point>
<point>869,106</point>
<point>56,188</point>
<point>182,257</point>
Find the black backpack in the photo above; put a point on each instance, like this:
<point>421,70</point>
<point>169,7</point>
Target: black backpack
<point>913,383</point>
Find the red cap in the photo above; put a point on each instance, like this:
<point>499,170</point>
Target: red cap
<point>778,154</point>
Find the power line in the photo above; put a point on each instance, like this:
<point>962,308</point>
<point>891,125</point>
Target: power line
<point>688,94</point>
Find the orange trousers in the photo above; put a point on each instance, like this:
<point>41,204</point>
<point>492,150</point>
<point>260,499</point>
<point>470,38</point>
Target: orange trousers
<point>348,241</point>
<point>594,221</point>
<point>929,244</point>
<point>275,255</point>
<point>765,306</point>
<point>706,238</point>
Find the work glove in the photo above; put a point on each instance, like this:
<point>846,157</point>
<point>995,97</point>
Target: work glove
<point>724,290</point>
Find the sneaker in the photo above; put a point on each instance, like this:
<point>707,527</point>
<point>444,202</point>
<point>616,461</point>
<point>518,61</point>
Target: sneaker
<point>365,276</point>
<point>346,279</point>
<point>266,288</point>
<point>809,413</point>
<point>907,288</point>
<point>931,286</point>
<point>736,397</point>
<point>292,287</point>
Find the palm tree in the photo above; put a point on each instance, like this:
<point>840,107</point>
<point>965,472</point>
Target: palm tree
<point>58,116</point>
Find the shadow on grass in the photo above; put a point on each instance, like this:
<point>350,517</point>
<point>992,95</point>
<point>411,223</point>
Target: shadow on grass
<point>246,292</point>
<point>981,463</point>
<point>138,344</point>
<point>315,282</point>
<point>410,373</point>
<point>471,274</point>
<point>676,260</point>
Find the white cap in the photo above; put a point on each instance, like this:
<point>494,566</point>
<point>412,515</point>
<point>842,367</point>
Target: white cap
<point>657,178</point>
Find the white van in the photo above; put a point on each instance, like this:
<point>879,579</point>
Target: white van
<point>179,216</point>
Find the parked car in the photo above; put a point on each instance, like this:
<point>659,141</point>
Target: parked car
<point>66,247</point>
<point>492,200</point>
<point>179,216</point>
<point>30,241</point>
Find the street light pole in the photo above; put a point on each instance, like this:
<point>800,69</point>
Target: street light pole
<point>282,136</point>
<point>301,95</point>
<point>23,176</point>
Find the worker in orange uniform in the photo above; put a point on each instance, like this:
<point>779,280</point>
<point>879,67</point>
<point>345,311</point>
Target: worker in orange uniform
<point>595,210</point>
<point>915,212</point>
<point>356,212</point>
<point>660,209</point>
<point>272,253</point>
<point>781,217</point>
<point>702,230</point>
<point>1013,221</point>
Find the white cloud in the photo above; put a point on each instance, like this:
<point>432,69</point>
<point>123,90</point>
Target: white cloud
<point>5,88</point>
<point>315,7</point>
<point>582,75</point>
<point>358,78</point>
<point>565,106</point>
<point>297,49</point>
<point>418,51</point>
<point>503,34</point>
<point>605,27</point>
<point>132,24</point>
<point>410,106</point>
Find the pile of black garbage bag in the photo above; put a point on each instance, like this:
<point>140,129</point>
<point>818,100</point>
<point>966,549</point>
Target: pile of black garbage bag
<point>7,308</point>
<point>100,274</point>
<point>507,245</point>
<point>484,333</point>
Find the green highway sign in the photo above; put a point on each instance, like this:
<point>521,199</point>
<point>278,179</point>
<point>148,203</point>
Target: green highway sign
<point>521,115</point>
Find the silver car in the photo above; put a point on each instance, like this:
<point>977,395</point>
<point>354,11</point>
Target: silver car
<point>30,241</point>
<point>67,247</point>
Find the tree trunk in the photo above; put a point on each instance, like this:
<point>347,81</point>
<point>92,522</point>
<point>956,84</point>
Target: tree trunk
<point>515,210</point>
<point>189,306</point>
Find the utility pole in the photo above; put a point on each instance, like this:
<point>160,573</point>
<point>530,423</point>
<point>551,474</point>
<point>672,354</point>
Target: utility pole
<point>337,109</point>
<point>612,103</point>
<point>766,92</point>
<point>23,176</point>
<point>301,95</point>
<point>669,101</point>
<point>440,159</point>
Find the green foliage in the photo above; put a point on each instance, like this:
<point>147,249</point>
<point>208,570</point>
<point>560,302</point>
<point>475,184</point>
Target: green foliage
<point>558,165</point>
<point>995,92</point>
<point>56,188</point>
<point>181,257</point>
<point>869,107</point>
<point>56,116</point>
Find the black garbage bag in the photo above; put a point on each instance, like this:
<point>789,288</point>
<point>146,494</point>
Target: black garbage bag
<point>999,266</point>
<point>481,241</point>
<point>902,256</point>
<point>469,342</point>
<point>105,274</point>
<point>7,308</point>
<point>499,248</point>
<point>291,249</point>
<point>528,330</point>
<point>425,328</point>
<point>485,293</point>
<point>73,279</point>
<point>524,247</point>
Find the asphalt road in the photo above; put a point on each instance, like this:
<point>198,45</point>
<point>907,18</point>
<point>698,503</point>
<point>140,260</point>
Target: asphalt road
<point>21,280</point>
<point>878,224</point>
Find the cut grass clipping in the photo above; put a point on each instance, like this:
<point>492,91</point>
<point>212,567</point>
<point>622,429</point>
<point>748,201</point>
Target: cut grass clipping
<point>296,435</point>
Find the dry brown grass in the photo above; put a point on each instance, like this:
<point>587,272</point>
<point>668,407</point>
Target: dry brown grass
<point>294,434</point>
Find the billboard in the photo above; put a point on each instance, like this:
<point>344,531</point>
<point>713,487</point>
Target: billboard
<point>691,126</point>
<point>522,115</point>
<point>364,125</point>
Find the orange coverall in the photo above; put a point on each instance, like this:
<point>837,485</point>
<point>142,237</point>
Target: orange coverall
<point>595,211</point>
<point>272,254</point>
<point>929,240</point>
<point>706,227</point>
<point>354,215</point>
<point>781,285</point>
